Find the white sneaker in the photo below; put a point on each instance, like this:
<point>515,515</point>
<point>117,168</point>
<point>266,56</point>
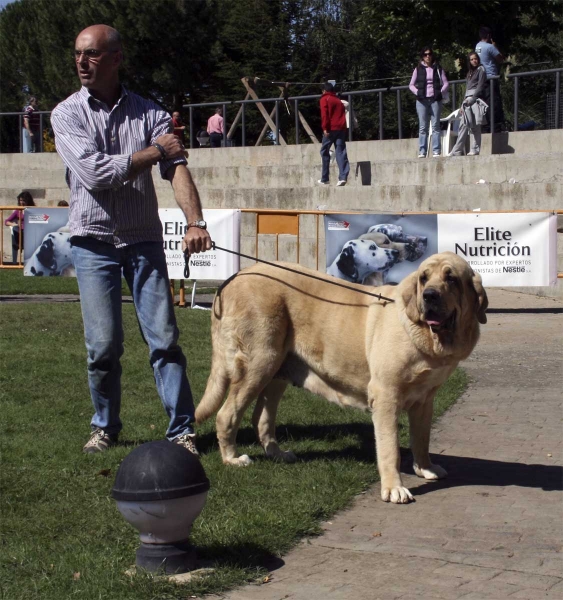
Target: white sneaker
<point>473,153</point>
<point>454,154</point>
<point>322,182</point>
<point>421,155</point>
<point>436,155</point>
<point>341,183</point>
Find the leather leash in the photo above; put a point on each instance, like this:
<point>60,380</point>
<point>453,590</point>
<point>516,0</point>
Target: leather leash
<point>215,247</point>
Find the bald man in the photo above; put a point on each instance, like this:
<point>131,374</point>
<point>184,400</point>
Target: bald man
<point>109,140</point>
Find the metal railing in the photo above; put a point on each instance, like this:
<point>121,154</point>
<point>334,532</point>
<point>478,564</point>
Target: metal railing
<point>455,85</point>
<point>381,93</point>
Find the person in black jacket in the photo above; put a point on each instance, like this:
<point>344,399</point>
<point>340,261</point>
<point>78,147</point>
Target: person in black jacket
<point>429,84</point>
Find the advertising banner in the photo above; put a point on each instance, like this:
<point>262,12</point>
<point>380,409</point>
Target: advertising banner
<point>223,226</point>
<point>507,249</point>
<point>47,243</point>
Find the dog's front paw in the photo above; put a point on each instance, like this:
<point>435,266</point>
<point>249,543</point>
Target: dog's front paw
<point>396,495</point>
<point>431,472</point>
<point>239,461</point>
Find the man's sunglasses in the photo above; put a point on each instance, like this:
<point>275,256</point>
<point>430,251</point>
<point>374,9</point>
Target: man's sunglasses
<point>428,54</point>
<point>91,53</point>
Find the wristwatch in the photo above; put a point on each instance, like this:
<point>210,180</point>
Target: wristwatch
<point>200,223</point>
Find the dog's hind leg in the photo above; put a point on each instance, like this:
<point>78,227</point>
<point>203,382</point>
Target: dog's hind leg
<point>264,421</point>
<point>252,374</point>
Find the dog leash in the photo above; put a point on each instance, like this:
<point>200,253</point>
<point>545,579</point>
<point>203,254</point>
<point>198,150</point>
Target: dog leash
<point>215,247</point>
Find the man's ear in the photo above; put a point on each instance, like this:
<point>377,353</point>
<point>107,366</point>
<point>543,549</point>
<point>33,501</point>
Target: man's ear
<point>482,300</point>
<point>409,296</point>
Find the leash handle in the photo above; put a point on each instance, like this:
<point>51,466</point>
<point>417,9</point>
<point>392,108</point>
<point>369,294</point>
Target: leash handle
<point>186,264</point>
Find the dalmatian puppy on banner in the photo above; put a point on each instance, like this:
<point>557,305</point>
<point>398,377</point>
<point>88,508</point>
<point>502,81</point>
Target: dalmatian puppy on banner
<point>360,258</point>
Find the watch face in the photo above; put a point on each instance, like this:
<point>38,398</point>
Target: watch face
<point>201,224</point>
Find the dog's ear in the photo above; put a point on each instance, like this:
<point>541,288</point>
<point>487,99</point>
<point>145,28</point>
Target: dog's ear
<point>482,300</point>
<point>409,296</point>
<point>346,263</point>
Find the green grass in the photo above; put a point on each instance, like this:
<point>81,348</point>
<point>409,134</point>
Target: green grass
<point>14,283</point>
<point>58,517</point>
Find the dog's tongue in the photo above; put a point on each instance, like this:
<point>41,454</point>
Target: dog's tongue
<point>433,322</point>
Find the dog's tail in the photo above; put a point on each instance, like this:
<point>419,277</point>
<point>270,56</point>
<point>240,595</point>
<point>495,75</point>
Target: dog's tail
<point>218,380</point>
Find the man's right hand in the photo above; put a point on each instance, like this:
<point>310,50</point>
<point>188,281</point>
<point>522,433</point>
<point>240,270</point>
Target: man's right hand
<point>171,144</point>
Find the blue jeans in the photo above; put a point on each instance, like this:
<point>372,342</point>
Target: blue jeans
<point>427,109</point>
<point>338,138</point>
<point>98,271</point>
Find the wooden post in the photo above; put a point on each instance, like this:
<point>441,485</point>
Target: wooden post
<point>236,120</point>
<point>263,110</point>
<point>172,291</point>
<point>182,294</point>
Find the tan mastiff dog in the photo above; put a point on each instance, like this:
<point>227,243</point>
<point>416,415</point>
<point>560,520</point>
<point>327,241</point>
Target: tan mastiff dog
<point>271,328</point>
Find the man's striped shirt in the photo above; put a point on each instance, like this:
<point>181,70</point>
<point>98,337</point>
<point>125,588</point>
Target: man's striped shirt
<point>96,145</point>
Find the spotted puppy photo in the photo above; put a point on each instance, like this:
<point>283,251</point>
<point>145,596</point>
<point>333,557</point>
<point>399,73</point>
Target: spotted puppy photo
<point>52,257</point>
<point>360,258</point>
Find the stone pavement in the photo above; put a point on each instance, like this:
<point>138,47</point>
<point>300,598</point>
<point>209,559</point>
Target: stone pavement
<point>494,527</point>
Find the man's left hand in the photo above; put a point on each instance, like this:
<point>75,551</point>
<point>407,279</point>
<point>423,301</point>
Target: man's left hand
<point>196,240</point>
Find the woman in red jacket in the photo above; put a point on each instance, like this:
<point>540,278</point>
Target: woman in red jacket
<point>333,121</point>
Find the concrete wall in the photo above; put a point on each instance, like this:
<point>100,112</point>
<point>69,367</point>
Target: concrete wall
<point>522,171</point>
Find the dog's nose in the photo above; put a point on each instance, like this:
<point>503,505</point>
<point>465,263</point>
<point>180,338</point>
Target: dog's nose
<point>431,296</point>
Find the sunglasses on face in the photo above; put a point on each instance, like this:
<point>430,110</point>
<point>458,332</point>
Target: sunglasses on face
<point>427,54</point>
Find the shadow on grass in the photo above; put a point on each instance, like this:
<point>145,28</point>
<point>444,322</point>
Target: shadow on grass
<point>467,471</point>
<point>287,434</point>
<point>246,556</point>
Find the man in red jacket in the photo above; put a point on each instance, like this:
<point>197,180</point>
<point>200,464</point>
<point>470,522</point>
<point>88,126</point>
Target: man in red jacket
<point>333,121</point>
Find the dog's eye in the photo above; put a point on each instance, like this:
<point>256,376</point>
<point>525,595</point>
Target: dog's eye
<point>450,278</point>
<point>423,279</point>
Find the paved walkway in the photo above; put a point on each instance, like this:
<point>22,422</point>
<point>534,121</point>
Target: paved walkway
<point>494,527</point>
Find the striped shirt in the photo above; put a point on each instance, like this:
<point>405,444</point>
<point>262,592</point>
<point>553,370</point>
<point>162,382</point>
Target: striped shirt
<point>96,145</point>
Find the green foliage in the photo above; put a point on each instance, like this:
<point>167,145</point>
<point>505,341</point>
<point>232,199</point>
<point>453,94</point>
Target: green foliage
<point>62,535</point>
<point>179,51</point>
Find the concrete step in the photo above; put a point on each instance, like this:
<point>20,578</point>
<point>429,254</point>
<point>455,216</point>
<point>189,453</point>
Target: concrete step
<point>540,167</point>
<point>521,142</point>
<point>386,198</point>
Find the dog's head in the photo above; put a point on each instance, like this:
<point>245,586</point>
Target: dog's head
<point>445,294</point>
<point>52,257</point>
<point>361,257</point>
<point>415,245</point>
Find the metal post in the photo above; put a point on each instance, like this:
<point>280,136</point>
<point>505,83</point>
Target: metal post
<point>399,114</point>
<point>380,115</point>
<point>243,124</point>
<point>21,133</point>
<point>296,109</point>
<point>350,118</point>
<point>492,105</point>
<point>454,88</point>
<point>224,125</point>
<point>41,132</point>
<point>277,123</point>
<point>557,93</point>
<point>191,127</point>
<point>516,104</point>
